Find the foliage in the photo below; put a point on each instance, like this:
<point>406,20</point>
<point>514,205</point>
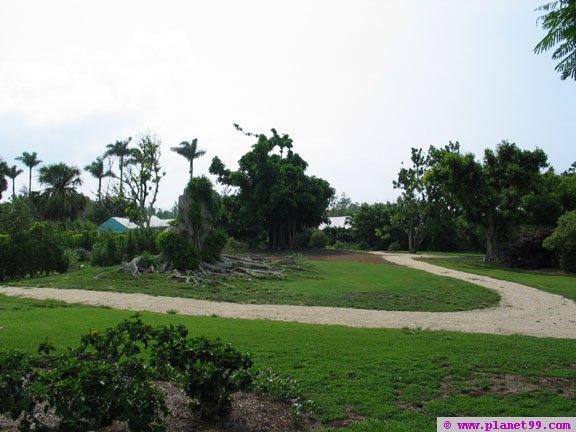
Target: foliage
<point>190,151</point>
<point>490,192</point>
<point>120,150</point>
<point>213,245</point>
<point>29,252</point>
<point>318,239</point>
<point>372,224</point>
<point>563,240</point>
<point>559,20</point>
<point>85,239</point>
<point>15,216</point>
<point>525,249</point>
<point>108,249</point>
<point>13,172</point>
<point>98,171</point>
<point>143,178</point>
<point>109,206</point>
<point>3,175</point>
<point>60,201</point>
<point>30,160</point>
<point>178,250</point>
<point>273,192</point>
<point>16,398</point>
<point>342,206</point>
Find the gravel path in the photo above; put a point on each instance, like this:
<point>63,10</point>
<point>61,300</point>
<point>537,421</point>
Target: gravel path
<point>522,310</point>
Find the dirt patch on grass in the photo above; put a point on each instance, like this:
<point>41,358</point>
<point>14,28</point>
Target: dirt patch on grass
<point>250,413</point>
<point>508,384</point>
<point>339,255</point>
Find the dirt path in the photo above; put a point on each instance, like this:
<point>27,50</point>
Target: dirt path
<point>523,310</point>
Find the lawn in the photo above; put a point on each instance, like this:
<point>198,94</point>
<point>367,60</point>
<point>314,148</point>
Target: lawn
<point>379,286</point>
<point>395,380</point>
<point>553,282</point>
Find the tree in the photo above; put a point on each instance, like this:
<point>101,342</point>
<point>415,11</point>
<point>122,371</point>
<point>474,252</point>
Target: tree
<point>563,240</point>
<point>143,178</point>
<point>372,225</point>
<point>190,151</point>
<point>120,150</point>
<point>3,174</point>
<point>60,201</point>
<point>13,172</point>
<point>490,193</point>
<point>559,20</point>
<point>273,192</point>
<point>98,170</point>
<point>30,160</point>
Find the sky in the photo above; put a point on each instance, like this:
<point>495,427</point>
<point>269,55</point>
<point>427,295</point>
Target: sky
<point>355,84</point>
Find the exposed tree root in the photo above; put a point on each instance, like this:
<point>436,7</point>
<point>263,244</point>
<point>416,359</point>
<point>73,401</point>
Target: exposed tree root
<point>228,267</point>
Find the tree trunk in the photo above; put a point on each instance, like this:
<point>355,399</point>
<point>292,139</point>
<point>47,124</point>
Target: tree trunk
<point>492,247</point>
<point>411,247</point>
<point>30,182</point>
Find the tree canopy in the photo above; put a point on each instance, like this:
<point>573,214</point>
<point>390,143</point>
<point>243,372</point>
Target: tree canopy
<point>190,151</point>
<point>559,20</point>
<point>30,160</point>
<point>60,200</point>
<point>273,191</point>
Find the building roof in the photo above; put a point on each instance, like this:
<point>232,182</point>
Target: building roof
<point>120,224</point>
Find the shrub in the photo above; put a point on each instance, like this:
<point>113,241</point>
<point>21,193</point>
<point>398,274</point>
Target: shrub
<point>108,250</point>
<point>525,250</point>
<point>16,398</point>
<point>178,250</point>
<point>394,246</point>
<point>318,239</point>
<point>85,240</point>
<point>563,240</point>
<point>213,245</point>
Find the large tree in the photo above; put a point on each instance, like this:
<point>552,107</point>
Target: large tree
<point>273,191</point>
<point>13,172</point>
<point>60,201</point>
<point>120,150</point>
<point>143,175</point>
<point>490,193</point>
<point>98,170</point>
<point>190,151</point>
<point>30,160</point>
<point>559,20</point>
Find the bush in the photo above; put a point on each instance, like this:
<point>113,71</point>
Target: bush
<point>178,250</point>
<point>85,240</point>
<point>563,241</point>
<point>213,245</point>
<point>525,250</point>
<point>39,249</point>
<point>16,398</point>
<point>108,250</point>
<point>318,239</point>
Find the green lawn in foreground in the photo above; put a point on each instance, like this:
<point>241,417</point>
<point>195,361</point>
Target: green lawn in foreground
<point>398,380</point>
<point>380,286</point>
<point>556,283</point>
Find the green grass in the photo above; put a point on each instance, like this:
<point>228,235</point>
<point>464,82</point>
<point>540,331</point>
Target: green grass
<point>379,286</point>
<point>556,283</point>
<point>398,380</point>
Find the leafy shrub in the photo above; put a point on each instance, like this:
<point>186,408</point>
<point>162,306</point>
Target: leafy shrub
<point>108,250</point>
<point>147,260</point>
<point>394,246</point>
<point>82,255</point>
<point>563,240</point>
<point>318,239</point>
<point>525,250</point>
<point>178,250</point>
<point>213,245</point>
<point>16,398</point>
<point>85,240</point>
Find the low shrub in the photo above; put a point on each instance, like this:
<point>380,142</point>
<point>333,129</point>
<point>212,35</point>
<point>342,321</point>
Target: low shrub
<point>108,250</point>
<point>525,250</point>
<point>178,250</point>
<point>213,245</point>
<point>563,241</point>
<point>318,239</point>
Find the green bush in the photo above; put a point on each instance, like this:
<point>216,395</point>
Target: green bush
<point>213,245</point>
<point>318,239</point>
<point>85,240</point>
<point>16,397</point>
<point>563,240</point>
<point>525,249</point>
<point>108,250</point>
<point>178,250</point>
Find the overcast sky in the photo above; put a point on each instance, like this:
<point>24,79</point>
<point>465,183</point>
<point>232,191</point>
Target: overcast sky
<point>356,84</point>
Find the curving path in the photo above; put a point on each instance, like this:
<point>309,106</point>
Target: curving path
<point>522,310</point>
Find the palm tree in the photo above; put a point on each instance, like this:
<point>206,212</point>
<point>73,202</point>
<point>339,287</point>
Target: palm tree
<point>120,150</point>
<point>30,160</point>
<point>60,200</point>
<point>13,172</point>
<point>98,171</point>
<point>3,173</point>
<point>190,151</point>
